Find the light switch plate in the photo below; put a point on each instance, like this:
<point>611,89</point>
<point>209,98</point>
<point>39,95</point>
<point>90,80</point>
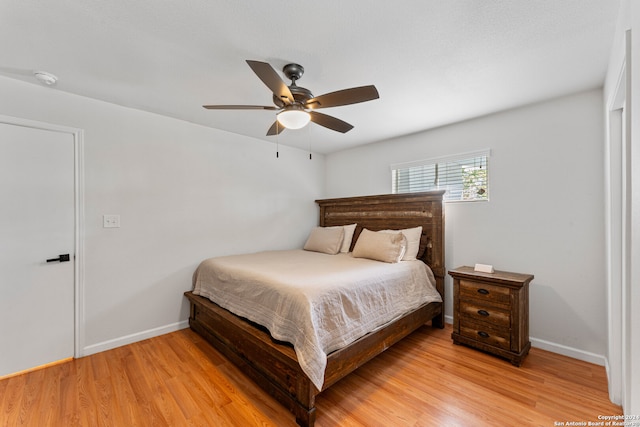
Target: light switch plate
<point>484,268</point>
<point>111,221</point>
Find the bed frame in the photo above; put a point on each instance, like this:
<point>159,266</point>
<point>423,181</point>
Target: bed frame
<point>273,364</point>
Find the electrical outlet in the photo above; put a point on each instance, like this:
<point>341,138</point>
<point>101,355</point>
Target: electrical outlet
<point>111,221</point>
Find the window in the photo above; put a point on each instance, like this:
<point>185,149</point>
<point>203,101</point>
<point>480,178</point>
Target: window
<point>465,177</point>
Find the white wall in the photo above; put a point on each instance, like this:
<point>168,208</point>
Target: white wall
<point>545,214</point>
<point>184,193</point>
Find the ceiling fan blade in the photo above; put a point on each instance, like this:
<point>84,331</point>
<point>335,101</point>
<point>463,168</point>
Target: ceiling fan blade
<point>275,129</point>
<point>330,122</point>
<point>239,107</point>
<point>269,77</point>
<point>343,97</point>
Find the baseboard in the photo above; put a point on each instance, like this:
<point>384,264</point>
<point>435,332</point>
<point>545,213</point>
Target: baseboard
<point>150,333</point>
<point>138,336</point>
<point>564,350</point>
<point>575,353</point>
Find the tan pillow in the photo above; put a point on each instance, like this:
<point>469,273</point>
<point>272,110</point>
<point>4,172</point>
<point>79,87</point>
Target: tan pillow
<point>413,242</point>
<point>348,236</point>
<point>385,247</point>
<point>327,240</point>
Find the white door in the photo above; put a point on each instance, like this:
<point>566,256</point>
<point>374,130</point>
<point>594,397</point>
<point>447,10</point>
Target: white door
<point>37,224</point>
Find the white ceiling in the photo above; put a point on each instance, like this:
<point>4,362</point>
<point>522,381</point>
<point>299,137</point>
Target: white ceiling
<point>434,62</point>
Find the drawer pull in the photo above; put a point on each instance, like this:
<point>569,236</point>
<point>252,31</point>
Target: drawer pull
<point>483,313</point>
<point>483,291</point>
<point>483,334</point>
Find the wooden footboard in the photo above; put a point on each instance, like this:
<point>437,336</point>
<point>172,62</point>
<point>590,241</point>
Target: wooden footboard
<point>274,366</point>
<point>270,364</point>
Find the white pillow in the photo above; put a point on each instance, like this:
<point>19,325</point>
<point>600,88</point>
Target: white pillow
<point>348,237</point>
<point>413,242</point>
<point>385,247</point>
<point>327,240</point>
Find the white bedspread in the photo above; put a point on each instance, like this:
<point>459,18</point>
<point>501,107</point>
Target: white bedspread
<point>317,302</point>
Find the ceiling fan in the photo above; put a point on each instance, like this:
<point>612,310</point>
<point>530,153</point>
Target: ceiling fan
<point>296,105</point>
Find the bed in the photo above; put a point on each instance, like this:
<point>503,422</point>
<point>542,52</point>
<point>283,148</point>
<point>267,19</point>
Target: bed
<point>273,364</point>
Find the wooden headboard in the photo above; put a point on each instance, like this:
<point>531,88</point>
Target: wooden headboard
<point>395,211</point>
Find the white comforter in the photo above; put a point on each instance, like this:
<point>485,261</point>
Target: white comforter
<point>317,302</point>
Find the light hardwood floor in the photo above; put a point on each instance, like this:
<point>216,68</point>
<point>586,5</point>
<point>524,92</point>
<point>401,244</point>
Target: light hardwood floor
<point>425,380</point>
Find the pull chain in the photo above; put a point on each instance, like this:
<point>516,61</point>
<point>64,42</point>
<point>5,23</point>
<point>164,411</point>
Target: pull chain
<point>277,139</point>
<point>309,139</point>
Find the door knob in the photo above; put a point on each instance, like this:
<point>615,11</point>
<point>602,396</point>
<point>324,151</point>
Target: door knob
<point>61,258</point>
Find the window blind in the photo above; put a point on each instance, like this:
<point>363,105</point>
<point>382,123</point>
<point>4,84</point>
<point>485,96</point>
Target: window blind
<point>464,177</point>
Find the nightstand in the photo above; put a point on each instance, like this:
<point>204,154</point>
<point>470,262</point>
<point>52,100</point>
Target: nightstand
<point>491,312</point>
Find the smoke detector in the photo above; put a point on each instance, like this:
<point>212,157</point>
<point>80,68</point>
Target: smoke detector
<point>45,78</point>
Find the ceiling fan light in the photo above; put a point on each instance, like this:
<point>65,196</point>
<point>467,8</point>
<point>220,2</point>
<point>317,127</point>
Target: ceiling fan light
<point>293,118</point>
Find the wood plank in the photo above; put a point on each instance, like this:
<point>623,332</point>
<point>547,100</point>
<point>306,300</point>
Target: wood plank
<point>423,380</point>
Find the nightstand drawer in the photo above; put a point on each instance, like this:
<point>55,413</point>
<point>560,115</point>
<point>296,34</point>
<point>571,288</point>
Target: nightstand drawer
<point>500,338</point>
<point>484,313</point>
<point>484,292</point>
